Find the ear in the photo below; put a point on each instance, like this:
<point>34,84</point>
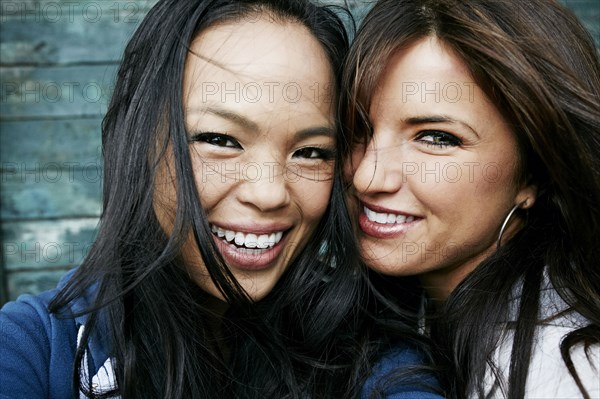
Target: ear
<point>526,195</point>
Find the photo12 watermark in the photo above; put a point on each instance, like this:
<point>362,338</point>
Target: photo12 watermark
<point>54,12</point>
<point>436,252</point>
<point>271,92</point>
<point>60,253</point>
<point>450,92</point>
<point>50,172</point>
<point>35,92</point>
<point>254,172</point>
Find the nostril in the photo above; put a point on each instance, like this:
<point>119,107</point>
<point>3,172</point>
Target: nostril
<point>265,196</point>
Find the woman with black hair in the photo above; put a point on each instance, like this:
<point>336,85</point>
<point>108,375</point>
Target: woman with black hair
<point>475,133</point>
<point>225,264</point>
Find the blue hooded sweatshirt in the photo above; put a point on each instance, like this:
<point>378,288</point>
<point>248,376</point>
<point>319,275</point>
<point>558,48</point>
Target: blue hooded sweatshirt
<point>37,353</point>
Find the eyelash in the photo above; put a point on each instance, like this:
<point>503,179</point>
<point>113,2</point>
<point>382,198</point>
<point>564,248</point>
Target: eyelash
<point>216,139</point>
<point>226,141</point>
<point>449,139</point>
<point>321,153</point>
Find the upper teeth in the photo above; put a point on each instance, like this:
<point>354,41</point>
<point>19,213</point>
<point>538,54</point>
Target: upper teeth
<point>387,218</point>
<point>249,240</point>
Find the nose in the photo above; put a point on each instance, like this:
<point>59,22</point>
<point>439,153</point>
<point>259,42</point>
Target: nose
<point>378,168</point>
<point>265,189</point>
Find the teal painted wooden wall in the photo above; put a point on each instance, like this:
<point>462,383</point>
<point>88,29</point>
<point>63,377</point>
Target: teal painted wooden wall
<point>58,61</point>
<point>57,64</point>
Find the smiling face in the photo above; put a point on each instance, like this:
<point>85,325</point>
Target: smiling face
<point>440,173</point>
<point>261,138</point>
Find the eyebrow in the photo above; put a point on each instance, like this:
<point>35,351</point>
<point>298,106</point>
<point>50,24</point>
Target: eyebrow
<point>313,132</point>
<point>248,124</point>
<point>419,120</point>
<point>238,119</point>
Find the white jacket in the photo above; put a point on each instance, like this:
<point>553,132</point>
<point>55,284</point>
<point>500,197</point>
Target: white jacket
<point>548,375</point>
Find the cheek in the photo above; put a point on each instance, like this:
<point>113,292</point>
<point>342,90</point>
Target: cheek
<point>466,210</point>
<point>212,185</point>
<point>440,188</point>
<point>495,184</point>
<point>312,199</point>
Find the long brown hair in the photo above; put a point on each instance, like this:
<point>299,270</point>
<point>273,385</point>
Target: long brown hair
<point>540,67</point>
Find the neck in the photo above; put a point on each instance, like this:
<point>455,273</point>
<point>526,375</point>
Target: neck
<point>439,284</point>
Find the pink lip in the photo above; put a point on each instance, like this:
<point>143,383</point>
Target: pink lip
<point>380,230</point>
<point>254,259</point>
<point>253,227</point>
<point>380,209</point>
<point>236,257</point>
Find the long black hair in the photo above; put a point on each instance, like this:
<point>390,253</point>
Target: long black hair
<point>166,335</point>
<point>540,67</point>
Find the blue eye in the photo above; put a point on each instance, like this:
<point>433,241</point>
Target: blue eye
<point>438,139</point>
<point>314,153</point>
<point>216,139</point>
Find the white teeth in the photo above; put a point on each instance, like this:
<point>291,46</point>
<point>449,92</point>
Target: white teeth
<point>387,218</point>
<point>370,214</point>
<point>248,240</point>
<point>262,241</point>
<point>239,238</point>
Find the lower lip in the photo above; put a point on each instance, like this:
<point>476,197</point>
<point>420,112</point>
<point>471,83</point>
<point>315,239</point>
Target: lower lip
<point>380,230</point>
<point>249,259</point>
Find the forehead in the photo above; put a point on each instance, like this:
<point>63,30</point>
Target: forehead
<point>428,76</point>
<point>428,62</point>
<point>258,62</point>
<point>260,50</point>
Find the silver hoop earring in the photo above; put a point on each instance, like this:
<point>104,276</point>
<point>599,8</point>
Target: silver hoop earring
<point>512,211</point>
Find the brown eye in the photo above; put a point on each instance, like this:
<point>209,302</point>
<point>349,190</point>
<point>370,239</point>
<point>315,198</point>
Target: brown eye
<point>216,139</point>
<point>314,153</point>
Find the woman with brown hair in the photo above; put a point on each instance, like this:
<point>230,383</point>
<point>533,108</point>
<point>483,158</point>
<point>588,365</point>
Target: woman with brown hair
<point>474,143</point>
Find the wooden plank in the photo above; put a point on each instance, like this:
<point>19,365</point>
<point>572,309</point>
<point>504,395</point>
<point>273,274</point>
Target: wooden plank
<point>32,282</point>
<point>52,92</point>
<point>71,142</point>
<point>47,191</point>
<point>63,32</point>
<point>46,244</point>
<point>3,278</point>
<point>50,169</point>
